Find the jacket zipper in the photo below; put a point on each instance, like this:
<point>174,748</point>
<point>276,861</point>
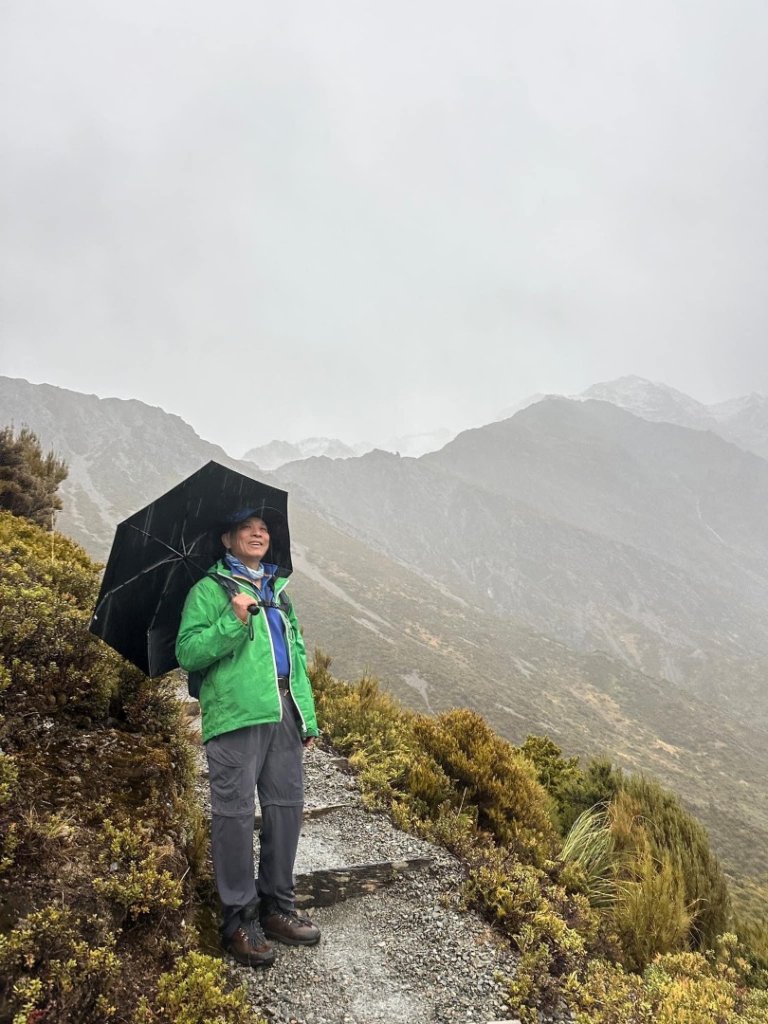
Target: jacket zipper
<point>277,594</point>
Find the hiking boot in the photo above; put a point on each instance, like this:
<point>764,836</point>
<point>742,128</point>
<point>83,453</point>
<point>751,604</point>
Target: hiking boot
<point>249,946</point>
<point>289,927</point>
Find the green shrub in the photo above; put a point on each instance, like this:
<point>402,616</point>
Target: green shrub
<point>196,992</point>
<point>493,777</point>
<point>47,964</point>
<point>560,776</point>
<point>422,769</point>
<point>675,831</point>
<point>51,664</point>
<point>9,777</point>
<point>606,994</point>
<point>29,480</point>
<point>680,988</point>
<point>101,839</point>
<point>596,785</point>
<point>134,877</point>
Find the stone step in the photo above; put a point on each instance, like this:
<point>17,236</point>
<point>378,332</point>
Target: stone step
<point>311,812</point>
<point>326,886</point>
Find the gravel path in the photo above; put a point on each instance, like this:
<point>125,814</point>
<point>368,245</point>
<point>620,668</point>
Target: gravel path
<point>404,953</point>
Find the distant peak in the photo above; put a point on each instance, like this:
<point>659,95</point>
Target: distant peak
<point>632,384</point>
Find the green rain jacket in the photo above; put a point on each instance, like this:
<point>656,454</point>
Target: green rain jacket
<point>239,685</point>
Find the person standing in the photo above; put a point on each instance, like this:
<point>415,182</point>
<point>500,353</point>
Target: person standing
<point>258,715</point>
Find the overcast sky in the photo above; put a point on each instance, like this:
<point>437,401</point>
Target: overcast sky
<point>363,218</point>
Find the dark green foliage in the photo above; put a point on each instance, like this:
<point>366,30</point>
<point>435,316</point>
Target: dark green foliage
<point>560,776</point>
<point>573,788</point>
<point>595,785</point>
<point>29,479</point>
<point>553,770</point>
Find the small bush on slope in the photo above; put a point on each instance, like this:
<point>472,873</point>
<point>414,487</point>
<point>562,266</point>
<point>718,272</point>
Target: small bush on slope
<point>680,988</point>
<point>98,826</point>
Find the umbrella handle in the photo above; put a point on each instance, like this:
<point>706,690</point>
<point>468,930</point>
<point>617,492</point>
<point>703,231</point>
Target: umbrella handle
<point>253,609</point>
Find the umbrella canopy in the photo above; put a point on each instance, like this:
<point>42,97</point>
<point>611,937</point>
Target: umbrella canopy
<point>159,552</point>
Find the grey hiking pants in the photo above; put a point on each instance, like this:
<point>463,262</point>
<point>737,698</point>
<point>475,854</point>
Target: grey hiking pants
<point>267,758</point>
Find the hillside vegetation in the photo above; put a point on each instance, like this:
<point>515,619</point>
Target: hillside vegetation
<point>101,842</point>
<point>624,918</point>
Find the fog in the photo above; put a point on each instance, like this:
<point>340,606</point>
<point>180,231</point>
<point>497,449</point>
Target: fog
<point>362,219</point>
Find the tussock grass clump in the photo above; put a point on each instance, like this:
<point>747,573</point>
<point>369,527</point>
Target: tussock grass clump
<point>589,851</point>
<point>674,831</point>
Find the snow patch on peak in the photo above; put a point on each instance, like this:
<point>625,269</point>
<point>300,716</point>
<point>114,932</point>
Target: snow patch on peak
<point>733,407</point>
<point>651,400</point>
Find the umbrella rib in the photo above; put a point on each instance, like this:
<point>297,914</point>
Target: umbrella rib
<point>149,568</point>
<point>157,540</point>
<point>186,561</point>
<point>151,626</point>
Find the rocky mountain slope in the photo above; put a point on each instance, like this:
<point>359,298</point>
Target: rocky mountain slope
<point>436,651</point>
<point>119,453</point>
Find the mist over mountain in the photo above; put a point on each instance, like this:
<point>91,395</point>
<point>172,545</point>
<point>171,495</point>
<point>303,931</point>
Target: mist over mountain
<point>279,453</point>
<point>574,571</point>
<point>414,445</point>
<point>744,420</point>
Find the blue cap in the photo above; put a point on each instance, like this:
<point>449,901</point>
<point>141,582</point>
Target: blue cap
<point>235,518</point>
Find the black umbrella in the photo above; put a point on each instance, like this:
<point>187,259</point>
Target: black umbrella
<point>159,552</point>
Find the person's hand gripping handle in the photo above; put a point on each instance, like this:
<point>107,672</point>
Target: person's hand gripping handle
<point>243,605</point>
